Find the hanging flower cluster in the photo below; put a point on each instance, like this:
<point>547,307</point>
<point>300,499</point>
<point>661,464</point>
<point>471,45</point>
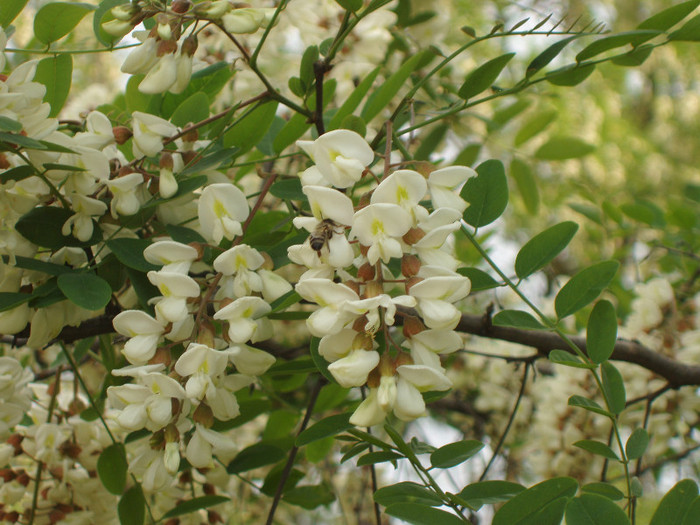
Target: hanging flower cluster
<point>387,252</point>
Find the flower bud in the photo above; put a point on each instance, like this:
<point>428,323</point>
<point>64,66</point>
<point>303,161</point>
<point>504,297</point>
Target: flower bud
<point>353,285</point>
<point>117,28</point>
<point>363,250</point>
<point>166,47</point>
<point>206,334</point>
<point>157,440</point>
<point>366,272</point>
<point>214,9</point>
<point>4,164</point>
<point>203,415</point>
<point>363,340</point>
<point>373,289</point>
<point>411,281</point>
<point>162,355</point>
<point>181,6</point>
<point>166,160</point>
<point>413,235</point>
<point>359,324</point>
<point>164,30</point>
<point>189,46</point>
<point>374,378</point>
<point>410,264</point>
<point>412,326</point>
<point>125,12</point>
<point>188,157</point>
<point>23,479</point>
<point>121,134</point>
<point>70,449</point>
<point>172,434</point>
<point>403,359</point>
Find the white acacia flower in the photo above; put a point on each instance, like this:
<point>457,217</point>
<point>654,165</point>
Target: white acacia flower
<point>176,288</point>
<point>144,332</point>
<point>161,76</point>
<point>444,185</point>
<point>142,58</point>
<point>125,199</point>
<point>340,156</point>
<point>369,412</point>
<point>405,188</point>
<point>241,261</point>
<point>243,20</point>
<point>426,345</point>
<point>204,444</point>
<point>98,132</point>
<point>149,465</point>
<point>370,308</point>
<point>435,296</point>
<point>412,380</point>
<point>173,256</point>
<point>149,131</point>
<point>80,224</point>
<point>250,361</point>
<point>331,297</point>
<point>245,319</point>
<point>379,226</point>
<point>353,369</point>
<point>222,207</point>
<point>430,247</point>
<point>201,364</point>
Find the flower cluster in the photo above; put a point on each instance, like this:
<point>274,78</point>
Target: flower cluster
<point>388,252</point>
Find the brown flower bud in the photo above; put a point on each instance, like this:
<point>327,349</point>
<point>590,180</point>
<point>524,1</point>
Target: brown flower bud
<point>157,440</point>
<point>166,47</point>
<point>410,264</point>
<point>206,334</point>
<point>413,235</point>
<point>214,517</point>
<point>188,157</point>
<point>364,200</point>
<point>373,289</point>
<point>121,134</point>
<point>366,272</point>
<point>175,406</point>
<point>364,249</point>
<point>403,359</point>
<point>189,47</point>
<point>70,449</point>
<point>76,406</point>
<point>181,6</point>
<point>203,415</point>
<point>364,341</point>
<point>172,434</point>
<point>209,489</point>
<point>411,281</point>
<point>359,324</point>
<point>185,477</point>
<point>191,135</point>
<point>7,474</point>
<point>12,517</point>
<point>412,326</point>
<point>56,515</point>
<point>4,163</point>
<point>162,355</point>
<point>353,285</point>
<point>15,440</point>
<point>373,378</point>
<point>166,160</point>
<point>23,479</point>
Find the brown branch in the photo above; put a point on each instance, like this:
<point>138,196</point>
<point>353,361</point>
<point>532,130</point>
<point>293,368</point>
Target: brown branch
<point>676,373</point>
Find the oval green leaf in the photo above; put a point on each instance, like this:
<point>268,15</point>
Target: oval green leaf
<point>55,73</point>
<point>596,447</point>
<point>517,319</point>
<point>669,17</point>
<point>571,75</point>
<point>309,496</point>
<point>129,252</point>
<point>588,404</point>
<point>527,185</point>
<point>483,76</point>
<point>601,332</point>
<point>592,509</point>
<point>380,456</point>
<point>455,453</point>
<point>604,489</point>
<point>255,456</point>
<point>562,357</point>
<point>637,443</point>
<point>86,290</point>
<point>480,280</point>
<point>546,56</point>
<point>112,468</point>
<point>690,32</point>
<point>563,148</point>
<point>487,194</point>
<point>534,125</point>
<point>329,426</point>
<point>544,247</point>
<point>191,505</point>
<point>488,492</point>
<point>9,9</point>
<point>584,287</point>
<point>406,492</point>
<point>132,507</point>
<point>676,503</point>
<point>418,514</point>
<point>42,226</point>
<point>692,515</point>
<point>194,108</point>
<point>613,387</point>
<point>528,504</point>
<point>613,41</point>
<point>55,20</point>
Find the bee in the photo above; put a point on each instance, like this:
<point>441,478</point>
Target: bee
<point>321,235</point>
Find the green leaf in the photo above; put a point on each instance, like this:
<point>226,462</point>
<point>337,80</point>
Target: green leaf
<point>309,496</point>
<point>590,212</point>
<point>129,252</point>
<point>507,113</point>
<point>527,185</point>
<point>191,505</point>
<point>596,447</point>
<point>329,426</point>
<point>255,456</point>
<point>483,76</point>
<point>13,139</point>
<point>19,173</point>
<point>288,189</point>
<point>571,75</point>
<point>544,247</point>
<point>534,125</point>
<point>56,74</point>
<point>132,507</point>
<point>391,86</point>
<point>646,212</point>
<point>455,453</point>
<point>112,468</point>
<point>381,456</point>
<point>613,387</point>
<point>613,41</point>
<point>103,14</point>
<point>676,503</point>
<point>601,332</point>
<point>55,20</point>
<point>516,318</point>
<point>86,290</point>
<point>692,515</point>
<point>251,128</point>
<point>480,280</point>
<point>584,287</point>
<point>183,235</point>
<point>350,5</point>
<point>635,57</point>
<point>487,194</point>
<point>10,300</point>
<point>592,509</point>
<point>526,506</point>
<point>562,148</point>
<point>588,404</point>
<point>604,489</point>
<point>9,9</point>
<point>145,291</point>
<point>292,130</point>
<point>690,32</point>
<point>42,226</point>
<point>431,142</point>
<point>546,56</point>
<point>306,68</point>
<point>422,514</point>
<point>489,492</point>
<point>319,360</point>
<point>193,109</point>
<point>406,492</point>
<point>214,160</point>
<point>669,17</point>
<point>637,443</point>
<point>562,357</point>
<point>8,124</point>
<point>353,99</point>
